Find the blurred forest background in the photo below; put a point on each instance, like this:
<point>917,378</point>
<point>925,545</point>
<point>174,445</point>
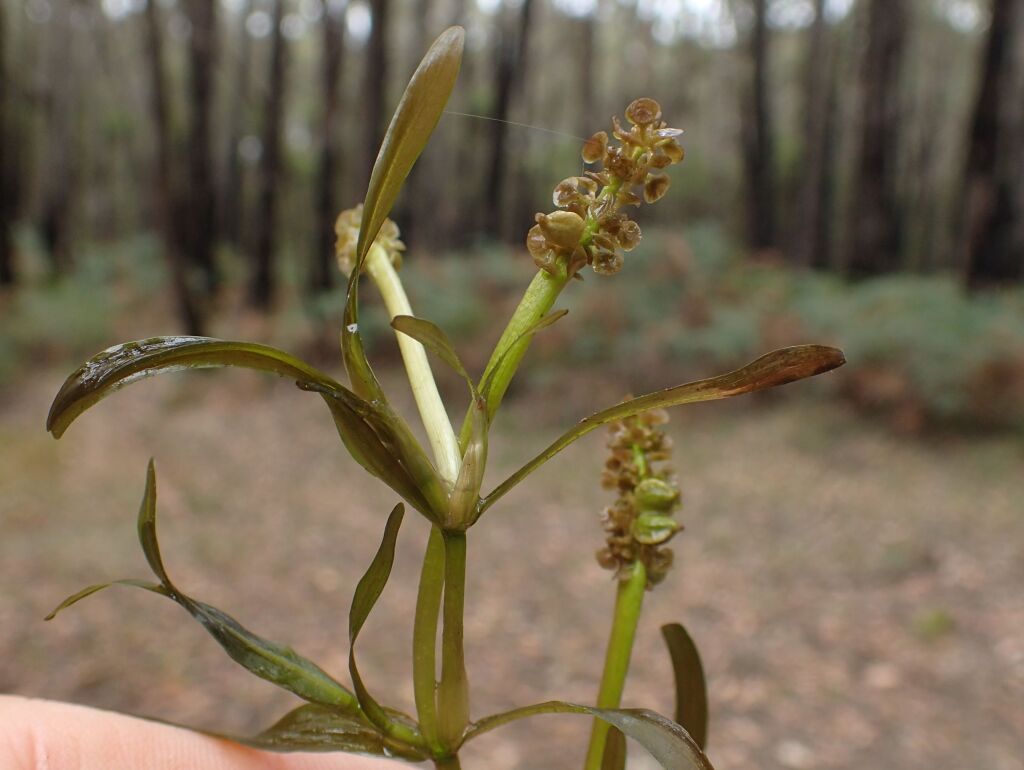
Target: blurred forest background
<point>853,563</point>
<point>853,171</point>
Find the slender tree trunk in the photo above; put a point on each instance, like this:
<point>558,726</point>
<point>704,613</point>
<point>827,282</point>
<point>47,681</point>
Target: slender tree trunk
<point>993,251</point>
<point>200,217</point>
<point>166,191</point>
<point>511,51</point>
<point>62,165</point>
<point>876,233</point>
<point>587,78</point>
<point>323,268</point>
<point>375,80</point>
<point>7,163</point>
<point>815,194</point>
<point>758,138</point>
<point>232,203</point>
<point>263,283</point>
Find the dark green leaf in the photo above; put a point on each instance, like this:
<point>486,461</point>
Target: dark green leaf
<point>317,728</point>
<point>776,368</point>
<point>666,741</point>
<point>90,590</point>
<point>266,659</point>
<point>414,120</point>
<point>614,750</point>
<point>369,589</point>
<point>691,688</point>
<point>383,445</point>
<point>431,337</point>
<point>123,364</point>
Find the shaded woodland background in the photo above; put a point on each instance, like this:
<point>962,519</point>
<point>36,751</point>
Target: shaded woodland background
<point>853,560</point>
<point>875,145</point>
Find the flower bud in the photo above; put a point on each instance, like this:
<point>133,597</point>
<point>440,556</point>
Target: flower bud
<point>629,235</point>
<point>643,112</point>
<point>653,528</point>
<point>655,187</point>
<point>561,228</point>
<point>656,494</point>
<point>594,147</point>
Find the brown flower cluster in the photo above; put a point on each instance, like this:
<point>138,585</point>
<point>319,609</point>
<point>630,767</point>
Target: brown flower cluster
<point>639,522</point>
<point>590,228</point>
<point>346,228</point>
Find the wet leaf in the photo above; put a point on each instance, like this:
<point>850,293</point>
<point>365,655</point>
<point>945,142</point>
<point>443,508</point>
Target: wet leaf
<point>691,688</point>
<point>414,121</point>
<point>123,364</point>
<point>776,368</point>
<point>666,741</point>
<point>317,728</point>
<point>367,592</point>
<point>614,750</point>
<point>268,660</point>
<point>379,442</point>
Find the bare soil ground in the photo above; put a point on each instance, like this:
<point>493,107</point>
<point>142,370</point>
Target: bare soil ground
<point>859,598</point>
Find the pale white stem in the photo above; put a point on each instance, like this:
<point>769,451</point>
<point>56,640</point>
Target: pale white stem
<point>424,389</point>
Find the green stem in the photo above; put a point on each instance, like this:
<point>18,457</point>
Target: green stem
<point>448,763</point>
<point>536,302</point>
<point>628,602</point>
<point>424,638</point>
<point>417,366</point>
<point>453,692</point>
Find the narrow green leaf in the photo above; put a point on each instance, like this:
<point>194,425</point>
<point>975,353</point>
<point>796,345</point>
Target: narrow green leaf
<point>433,339</point>
<point>90,590</point>
<point>414,121</point>
<point>691,688</point>
<point>383,444</point>
<point>317,728</point>
<point>122,364</point>
<point>666,741</point>
<point>463,509</point>
<point>268,660</point>
<point>614,750</point>
<point>367,592</point>
<point>776,368</point>
<point>424,636</point>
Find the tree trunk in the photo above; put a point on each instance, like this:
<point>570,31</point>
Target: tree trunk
<point>375,80</point>
<point>166,191</point>
<point>7,163</point>
<point>815,194</point>
<point>876,232</point>
<point>263,283</point>
<point>758,139</point>
<point>233,199</point>
<point>61,159</point>
<point>511,50</point>
<point>993,251</point>
<point>587,78</point>
<point>200,222</point>
<point>323,267</point>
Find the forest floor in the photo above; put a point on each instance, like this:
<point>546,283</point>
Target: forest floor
<point>858,597</point>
